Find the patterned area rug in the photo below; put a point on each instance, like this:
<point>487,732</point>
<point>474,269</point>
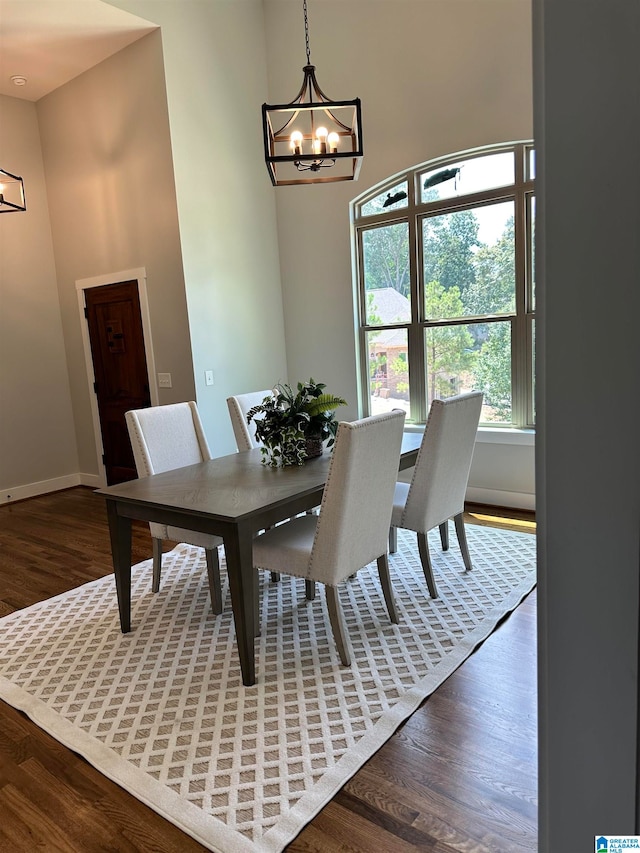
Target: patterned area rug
<point>163,712</point>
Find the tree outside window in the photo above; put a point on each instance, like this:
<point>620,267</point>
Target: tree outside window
<point>442,308</point>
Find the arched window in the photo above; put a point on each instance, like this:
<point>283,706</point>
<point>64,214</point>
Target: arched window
<point>446,295</point>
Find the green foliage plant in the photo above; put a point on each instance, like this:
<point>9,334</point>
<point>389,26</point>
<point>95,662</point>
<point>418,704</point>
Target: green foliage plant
<point>285,420</point>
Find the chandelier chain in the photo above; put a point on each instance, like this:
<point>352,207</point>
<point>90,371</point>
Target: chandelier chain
<point>306,31</point>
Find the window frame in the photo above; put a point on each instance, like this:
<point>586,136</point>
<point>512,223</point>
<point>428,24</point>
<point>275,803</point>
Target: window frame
<point>414,212</point>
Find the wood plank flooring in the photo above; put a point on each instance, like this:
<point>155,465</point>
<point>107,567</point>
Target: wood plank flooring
<point>459,775</point>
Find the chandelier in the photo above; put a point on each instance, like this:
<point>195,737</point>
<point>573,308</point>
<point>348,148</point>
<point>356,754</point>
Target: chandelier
<point>11,193</point>
<point>306,138</point>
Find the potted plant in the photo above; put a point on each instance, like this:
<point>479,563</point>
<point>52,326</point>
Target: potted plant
<point>293,425</point>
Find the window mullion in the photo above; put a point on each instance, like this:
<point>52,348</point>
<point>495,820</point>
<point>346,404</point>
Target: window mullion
<point>519,324</point>
<point>363,350</point>
<point>417,373</point>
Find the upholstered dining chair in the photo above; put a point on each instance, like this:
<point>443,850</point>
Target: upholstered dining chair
<point>164,438</point>
<point>245,433</point>
<point>437,489</point>
<point>351,528</point>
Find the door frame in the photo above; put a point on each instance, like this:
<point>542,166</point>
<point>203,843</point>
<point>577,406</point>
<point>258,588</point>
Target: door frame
<point>139,275</point>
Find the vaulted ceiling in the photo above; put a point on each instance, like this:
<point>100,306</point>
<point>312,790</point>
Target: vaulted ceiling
<point>49,42</point>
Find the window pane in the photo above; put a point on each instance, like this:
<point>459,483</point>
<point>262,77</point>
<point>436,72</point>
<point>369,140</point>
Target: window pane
<point>386,274</point>
<point>531,172</point>
<point>469,262</point>
<point>389,200</point>
<point>471,357</point>
<point>468,176</point>
<point>388,370</point>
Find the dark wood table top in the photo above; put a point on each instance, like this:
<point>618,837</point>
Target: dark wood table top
<point>236,487</point>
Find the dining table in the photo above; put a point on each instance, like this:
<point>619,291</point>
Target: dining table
<point>234,497</point>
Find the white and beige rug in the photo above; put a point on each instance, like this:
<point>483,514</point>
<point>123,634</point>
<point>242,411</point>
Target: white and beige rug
<point>162,711</point>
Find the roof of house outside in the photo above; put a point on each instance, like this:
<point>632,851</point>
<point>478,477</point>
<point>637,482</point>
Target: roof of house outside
<point>391,307</point>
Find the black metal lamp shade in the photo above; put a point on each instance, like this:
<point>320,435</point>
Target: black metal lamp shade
<point>11,193</point>
<point>304,138</point>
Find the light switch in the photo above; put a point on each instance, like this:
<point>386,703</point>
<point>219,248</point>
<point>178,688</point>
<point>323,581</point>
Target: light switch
<point>164,380</point>
<point>208,377</point>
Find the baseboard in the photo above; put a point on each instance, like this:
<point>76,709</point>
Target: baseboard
<point>92,480</point>
<point>44,487</point>
<point>496,497</point>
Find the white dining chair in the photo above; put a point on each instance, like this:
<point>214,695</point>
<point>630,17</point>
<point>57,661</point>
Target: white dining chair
<point>244,432</point>
<point>164,438</point>
<point>239,405</point>
<point>351,528</point>
<point>438,486</point>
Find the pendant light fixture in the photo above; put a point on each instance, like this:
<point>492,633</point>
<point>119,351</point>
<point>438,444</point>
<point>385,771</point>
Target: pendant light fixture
<point>313,139</point>
<point>11,193</point>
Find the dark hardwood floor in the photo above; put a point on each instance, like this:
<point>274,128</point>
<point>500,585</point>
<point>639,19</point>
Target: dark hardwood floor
<point>459,775</point>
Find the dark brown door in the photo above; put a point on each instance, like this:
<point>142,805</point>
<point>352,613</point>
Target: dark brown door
<point>120,369</point>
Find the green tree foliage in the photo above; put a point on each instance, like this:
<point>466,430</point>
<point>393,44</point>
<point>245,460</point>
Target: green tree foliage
<point>449,242</point>
<point>449,348</point>
<point>494,286</point>
<point>373,318</point>
<point>386,257</point>
<point>493,292</point>
<point>493,371</point>
<point>463,278</point>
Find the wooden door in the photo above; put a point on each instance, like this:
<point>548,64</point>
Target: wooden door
<point>120,369</point>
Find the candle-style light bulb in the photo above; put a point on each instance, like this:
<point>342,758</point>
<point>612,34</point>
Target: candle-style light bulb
<point>321,136</point>
<point>333,140</point>
<point>296,142</point>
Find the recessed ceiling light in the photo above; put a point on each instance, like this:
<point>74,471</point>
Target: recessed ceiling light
<point>18,80</point>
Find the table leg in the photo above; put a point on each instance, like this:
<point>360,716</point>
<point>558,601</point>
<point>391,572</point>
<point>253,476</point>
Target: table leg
<point>238,549</point>
<point>120,533</point>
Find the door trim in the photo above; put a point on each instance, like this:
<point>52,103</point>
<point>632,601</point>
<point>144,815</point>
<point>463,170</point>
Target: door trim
<point>140,276</point>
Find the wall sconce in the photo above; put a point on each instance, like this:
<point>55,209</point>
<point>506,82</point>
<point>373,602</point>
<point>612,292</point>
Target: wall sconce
<point>312,133</point>
<point>11,193</point>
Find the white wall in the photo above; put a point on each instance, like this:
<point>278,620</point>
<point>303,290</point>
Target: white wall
<point>215,67</point>
<point>37,435</point>
<point>434,77</point>
<point>109,171</point>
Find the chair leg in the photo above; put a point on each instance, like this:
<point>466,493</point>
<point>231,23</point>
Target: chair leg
<point>393,540</point>
<point>425,559</point>
<point>337,624</point>
<point>385,582</point>
<point>157,563</point>
<point>310,590</point>
<point>213,570</point>
<point>444,535</point>
<point>461,533</point>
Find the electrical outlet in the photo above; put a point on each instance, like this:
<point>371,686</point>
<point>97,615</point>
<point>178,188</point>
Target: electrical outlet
<point>164,380</point>
<point>208,377</point>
